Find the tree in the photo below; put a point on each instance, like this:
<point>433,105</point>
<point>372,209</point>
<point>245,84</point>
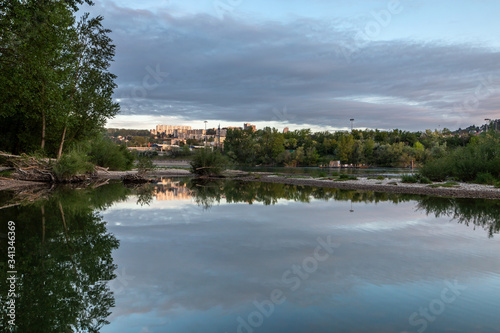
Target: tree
<point>55,86</point>
<point>91,85</point>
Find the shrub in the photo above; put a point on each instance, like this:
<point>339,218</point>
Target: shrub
<point>380,177</point>
<point>347,177</point>
<point>208,163</point>
<point>436,170</point>
<point>485,178</point>
<point>409,179</point>
<point>416,178</point>
<point>424,180</point>
<point>73,163</point>
<point>321,174</point>
<point>144,165</point>
<point>107,154</point>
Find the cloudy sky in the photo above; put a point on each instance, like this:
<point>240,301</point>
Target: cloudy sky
<point>408,64</point>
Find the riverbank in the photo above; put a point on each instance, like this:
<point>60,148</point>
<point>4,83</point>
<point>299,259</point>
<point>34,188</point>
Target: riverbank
<point>392,185</point>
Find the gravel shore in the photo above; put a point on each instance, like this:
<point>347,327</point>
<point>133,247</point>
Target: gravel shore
<point>393,185</point>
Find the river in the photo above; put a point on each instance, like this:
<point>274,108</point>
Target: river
<point>188,256</point>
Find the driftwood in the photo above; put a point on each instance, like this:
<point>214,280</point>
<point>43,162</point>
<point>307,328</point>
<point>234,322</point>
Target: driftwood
<point>30,168</point>
<point>134,179</point>
<point>39,169</point>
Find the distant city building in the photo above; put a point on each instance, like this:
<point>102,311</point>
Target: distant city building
<point>169,129</point>
<point>248,125</point>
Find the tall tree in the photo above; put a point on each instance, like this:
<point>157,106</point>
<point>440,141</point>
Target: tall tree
<point>54,82</point>
<point>90,84</point>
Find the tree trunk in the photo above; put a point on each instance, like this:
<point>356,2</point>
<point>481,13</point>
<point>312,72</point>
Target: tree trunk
<point>43,130</point>
<point>62,142</point>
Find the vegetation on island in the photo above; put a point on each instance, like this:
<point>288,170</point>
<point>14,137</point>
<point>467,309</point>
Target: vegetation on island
<point>207,163</point>
<point>395,148</point>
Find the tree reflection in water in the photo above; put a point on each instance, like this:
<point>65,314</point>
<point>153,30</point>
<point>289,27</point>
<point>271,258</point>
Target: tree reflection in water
<point>63,260</point>
<point>478,212</point>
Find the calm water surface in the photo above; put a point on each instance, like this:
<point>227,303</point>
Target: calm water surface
<point>234,257</point>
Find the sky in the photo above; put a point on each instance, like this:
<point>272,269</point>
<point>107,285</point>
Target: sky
<point>407,64</point>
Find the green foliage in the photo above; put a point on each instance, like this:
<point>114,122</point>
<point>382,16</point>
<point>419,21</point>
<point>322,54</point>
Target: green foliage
<point>105,153</point>
<point>321,174</point>
<point>485,178</point>
<point>73,163</point>
<point>415,178</point>
<point>184,151</point>
<point>394,148</point>
<point>144,165</point>
<point>409,179</point>
<point>56,87</point>
<point>481,156</point>
<point>436,170</point>
<point>346,177</point>
<point>208,163</point>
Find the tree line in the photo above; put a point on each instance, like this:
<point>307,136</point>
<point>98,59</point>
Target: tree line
<point>394,148</point>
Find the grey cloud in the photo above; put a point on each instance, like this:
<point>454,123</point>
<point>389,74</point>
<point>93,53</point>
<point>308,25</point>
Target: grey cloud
<point>239,71</point>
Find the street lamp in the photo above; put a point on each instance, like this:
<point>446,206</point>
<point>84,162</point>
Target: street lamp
<point>352,120</point>
<point>206,133</point>
<point>487,123</point>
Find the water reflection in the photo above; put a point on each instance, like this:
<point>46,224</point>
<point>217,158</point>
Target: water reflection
<point>217,269</point>
<point>190,265</point>
<point>483,213</point>
<point>63,258</point>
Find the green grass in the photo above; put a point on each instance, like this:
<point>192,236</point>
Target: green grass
<point>392,183</point>
<point>6,173</point>
<point>415,178</point>
<point>298,177</point>
<point>343,177</point>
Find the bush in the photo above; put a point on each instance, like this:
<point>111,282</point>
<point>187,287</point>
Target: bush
<point>471,163</point>
<point>485,178</point>
<point>409,179</point>
<point>416,178</point>
<point>321,174</point>
<point>347,177</point>
<point>73,163</point>
<point>208,163</point>
<point>107,154</point>
<point>380,177</point>
<point>144,165</point>
<point>424,180</point>
<point>436,170</point>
